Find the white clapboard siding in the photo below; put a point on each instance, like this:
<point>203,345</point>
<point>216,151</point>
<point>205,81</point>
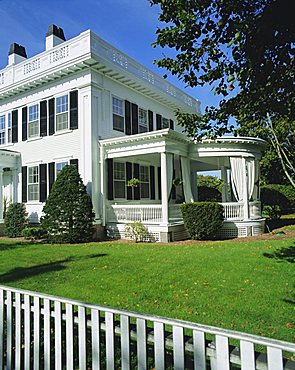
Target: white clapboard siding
<point>37,330</point>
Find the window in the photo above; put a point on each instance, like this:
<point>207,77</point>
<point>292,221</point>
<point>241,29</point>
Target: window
<point>33,130</point>
<point>33,183</point>
<point>144,178</point>
<point>62,108</point>
<point>118,114</point>
<point>165,123</point>
<point>2,129</point>
<point>119,180</point>
<point>142,120</point>
<point>9,129</point>
<point>59,166</point>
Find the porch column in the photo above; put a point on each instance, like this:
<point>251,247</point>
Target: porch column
<point>103,192</point>
<point>194,185</point>
<point>14,185</point>
<point>224,186</point>
<point>245,189</point>
<point>1,195</point>
<point>165,184</point>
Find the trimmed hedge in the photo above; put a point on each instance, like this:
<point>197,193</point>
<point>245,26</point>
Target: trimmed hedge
<point>282,196</point>
<point>202,220</point>
<point>208,194</point>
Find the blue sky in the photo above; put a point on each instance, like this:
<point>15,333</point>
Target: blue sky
<point>129,25</point>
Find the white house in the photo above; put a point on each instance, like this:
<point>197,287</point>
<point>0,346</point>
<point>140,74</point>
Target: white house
<point>84,102</point>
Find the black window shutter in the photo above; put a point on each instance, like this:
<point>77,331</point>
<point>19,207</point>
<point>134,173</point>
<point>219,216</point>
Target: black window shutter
<point>51,109</point>
<point>151,120</point>
<point>42,182</point>
<point>127,117</point>
<point>43,118</point>
<point>24,123</point>
<point>134,119</point>
<point>171,124</point>
<point>110,179</point>
<point>51,174</point>
<point>24,184</point>
<point>74,110</point>
<point>136,175</point>
<point>152,182</point>
<point>159,121</point>
<point>128,177</point>
<point>75,162</point>
<point>159,183</point>
<point>14,126</point>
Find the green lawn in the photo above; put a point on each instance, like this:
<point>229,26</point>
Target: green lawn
<point>246,286</point>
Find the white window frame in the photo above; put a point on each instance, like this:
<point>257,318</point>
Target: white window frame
<point>60,115</point>
<point>33,183</point>
<point>119,180</point>
<point>143,123</point>
<point>9,127</point>
<point>144,181</point>
<point>2,129</point>
<point>33,121</point>
<point>118,112</point>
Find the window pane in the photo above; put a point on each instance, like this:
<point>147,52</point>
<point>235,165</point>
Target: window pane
<point>33,183</point>
<point>33,112</point>
<point>119,189</point>
<point>62,121</point>
<point>118,106</point>
<point>2,122</point>
<point>165,123</point>
<point>118,123</point>
<point>62,104</point>
<point>119,171</point>
<point>144,190</point>
<point>60,166</point>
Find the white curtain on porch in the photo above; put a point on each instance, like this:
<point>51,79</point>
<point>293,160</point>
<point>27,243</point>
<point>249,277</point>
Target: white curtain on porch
<point>255,194</point>
<point>186,178</point>
<point>237,177</point>
<point>250,163</point>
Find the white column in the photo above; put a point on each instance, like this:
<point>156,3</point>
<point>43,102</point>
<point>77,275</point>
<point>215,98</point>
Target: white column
<point>194,185</point>
<point>224,186</point>
<point>14,194</point>
<point>1,195</point>
<point>103,192</point>
<point>245,187</point>
<point>164,189</point>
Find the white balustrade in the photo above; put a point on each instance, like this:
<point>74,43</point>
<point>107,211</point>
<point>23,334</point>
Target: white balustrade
<point>233,211</point>
<point>135,213</point>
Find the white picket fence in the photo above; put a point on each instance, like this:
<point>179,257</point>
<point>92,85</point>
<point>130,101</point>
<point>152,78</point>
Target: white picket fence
<point>39,331</point>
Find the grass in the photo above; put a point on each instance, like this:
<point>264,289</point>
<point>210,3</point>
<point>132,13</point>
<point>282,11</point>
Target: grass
<point>240,285</point>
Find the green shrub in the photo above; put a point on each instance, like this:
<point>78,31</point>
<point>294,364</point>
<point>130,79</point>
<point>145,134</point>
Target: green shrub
<point>208,194</point>
<point>68,215</point>
<point>34,233</point>
<point>202,220</point>
<point>15,219</point>
<point>136,231</point>
<point>282,196</point>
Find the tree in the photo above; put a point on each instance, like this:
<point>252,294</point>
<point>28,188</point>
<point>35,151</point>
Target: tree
<point>15,219</point>
<point>68,215</point>
<point>210,181</point>
<point>245,50</point>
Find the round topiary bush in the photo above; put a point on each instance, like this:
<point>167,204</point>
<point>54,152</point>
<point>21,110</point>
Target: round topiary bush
<point>68,216</point>
<point>15,219</point>
<point>202,220</point>
<point>282,196</point>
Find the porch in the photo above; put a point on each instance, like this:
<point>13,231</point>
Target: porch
<point>156,160</point>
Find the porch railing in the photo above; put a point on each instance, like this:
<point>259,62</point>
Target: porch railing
<point>46,332</point>
<point>233,211</point>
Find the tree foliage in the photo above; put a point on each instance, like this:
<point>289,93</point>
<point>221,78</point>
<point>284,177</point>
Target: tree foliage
<point>68,215</point>
<point>15,219</point>
<point>245,50</point>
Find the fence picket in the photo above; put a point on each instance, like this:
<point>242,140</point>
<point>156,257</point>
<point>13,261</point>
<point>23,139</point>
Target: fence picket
<point>69,337</point>
<point>46,320</point>
<point>247,355</point>
<point>178,348</point>
<point>36,359</point>
<point>159,346</point>
<point>57,338</point>
<point>17,331</point>
<point>9,330</point>
<point>109,321</point>
<point>222,352</point>
<point>274,358</point>
<point>82,337</point>
<point>125,342</point>
<point>95,338</point>
<point>1,328</point>
<point>141,344</point>
<point>199,350</point>
<point>27,324</point>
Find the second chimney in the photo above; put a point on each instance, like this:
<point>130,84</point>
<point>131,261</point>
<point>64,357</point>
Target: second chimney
<point>17,53</point>
<point>54,36</point>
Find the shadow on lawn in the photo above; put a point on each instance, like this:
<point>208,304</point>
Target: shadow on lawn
<point>284,254</point>
<point>13,245</point>
<point>20,273</point>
